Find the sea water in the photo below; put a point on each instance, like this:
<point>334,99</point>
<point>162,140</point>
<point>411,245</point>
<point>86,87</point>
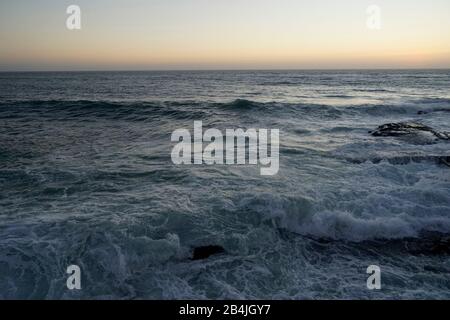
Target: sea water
<point>86,178</point>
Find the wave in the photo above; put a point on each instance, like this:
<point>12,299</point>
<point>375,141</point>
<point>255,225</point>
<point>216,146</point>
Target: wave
<point>144,110</point>
<point>341,225</point>
<point>280,83</point>
<point>343,96</point>
<point>433,100</point>
<point>402,160</point>
<point>133,111</point>
<point>373,90</point>
<point>243,104</point>
<point>322,111</point>
<point>304,216</point>
<point>393,109</point>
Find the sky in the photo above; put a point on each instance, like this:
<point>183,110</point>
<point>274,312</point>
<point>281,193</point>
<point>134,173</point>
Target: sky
<point>223,34</point>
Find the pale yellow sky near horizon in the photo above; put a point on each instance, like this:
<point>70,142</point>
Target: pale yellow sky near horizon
<point>223,34</point>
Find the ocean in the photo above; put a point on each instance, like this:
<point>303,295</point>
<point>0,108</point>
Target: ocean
<point>86,179</point>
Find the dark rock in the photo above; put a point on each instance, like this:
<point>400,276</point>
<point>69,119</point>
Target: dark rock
<point>205,252</point>
<point>417,132</point>
<point>398,129</point>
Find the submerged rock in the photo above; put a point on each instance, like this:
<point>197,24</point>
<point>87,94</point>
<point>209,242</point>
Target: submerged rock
<point>413,131</point>
<point>205,252</point>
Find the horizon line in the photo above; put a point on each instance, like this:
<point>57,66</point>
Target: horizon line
<point>222,70</point>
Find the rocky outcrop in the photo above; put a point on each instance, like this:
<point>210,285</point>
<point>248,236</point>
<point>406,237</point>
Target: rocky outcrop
<point>200,253</point>
<point>415,132</point>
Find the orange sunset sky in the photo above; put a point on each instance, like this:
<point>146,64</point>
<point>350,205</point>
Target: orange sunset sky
<point>223,34</point>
